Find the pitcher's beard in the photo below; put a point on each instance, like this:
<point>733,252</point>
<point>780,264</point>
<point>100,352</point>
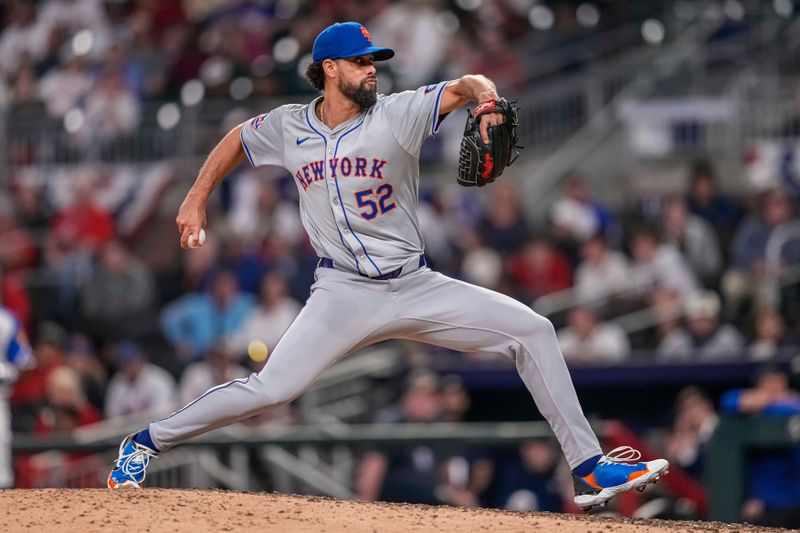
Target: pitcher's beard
<point>360,94</point>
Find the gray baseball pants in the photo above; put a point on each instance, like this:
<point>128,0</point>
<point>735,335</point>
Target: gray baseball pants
<point>346,312</point>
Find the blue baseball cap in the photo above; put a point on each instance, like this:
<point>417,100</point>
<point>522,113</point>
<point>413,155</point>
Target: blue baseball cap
<point>347,39</point>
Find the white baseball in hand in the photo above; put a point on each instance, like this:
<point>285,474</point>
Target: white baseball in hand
<point>200,240</point>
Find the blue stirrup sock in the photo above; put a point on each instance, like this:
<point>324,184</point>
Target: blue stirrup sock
<point>143,438</point>
<point>586,467</point>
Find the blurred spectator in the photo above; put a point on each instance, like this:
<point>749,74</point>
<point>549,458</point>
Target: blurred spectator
<point>66,407</point>
<point>409,475</point>
<point>32,209</point>
<point>658,265</point>
<point>412,28</point>
<point>21,39</point>
<point>748,276</point>
<point>119,298</point>
<point>74,15</point>
<point>138,388</point>
<point>504,224</point>
<point>481,265</point>
<point>695,238</point>
<point>575,216</point>
<point>499,62</point>
<point>244,261</point>
<point>706,201</point>
<point>773,488</point>
<point>83,222</point>
<point>195,321</point>
<point>704,339</point>
<point>603,272</point>
<point>15,356</point>
<point>112,110</point>
<point>17,248</point>
<point>539,269</point>
<point>65,87</point>
<point>257,210</point>
<point>587,341</point>
<point>771,337</point>
<point>30,391</point>
<point>219,367</point>
<point>528,481</point>
<point>82,358</point>
<point>268,321</point>
<point>455,399</point>
<point>433,214</point>
<point>694,425</point>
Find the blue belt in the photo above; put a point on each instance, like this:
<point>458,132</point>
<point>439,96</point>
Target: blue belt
<point>328,263</point>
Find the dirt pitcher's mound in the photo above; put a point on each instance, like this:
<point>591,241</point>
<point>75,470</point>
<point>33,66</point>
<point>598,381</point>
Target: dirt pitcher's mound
<point>196,511</point>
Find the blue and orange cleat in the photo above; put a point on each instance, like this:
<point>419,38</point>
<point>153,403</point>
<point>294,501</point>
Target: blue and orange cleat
<point>129,469</point>
<point>614,474</point>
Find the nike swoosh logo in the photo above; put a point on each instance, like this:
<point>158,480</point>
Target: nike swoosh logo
<point>301,141</point>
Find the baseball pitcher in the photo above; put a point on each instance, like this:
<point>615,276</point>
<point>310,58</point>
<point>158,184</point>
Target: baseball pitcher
<point>354,156</point>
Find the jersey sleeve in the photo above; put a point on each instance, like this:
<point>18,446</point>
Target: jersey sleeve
<point>413,116</point>
<point>262,139</point>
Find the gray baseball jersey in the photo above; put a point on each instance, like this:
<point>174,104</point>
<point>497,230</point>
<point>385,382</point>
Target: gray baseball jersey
<point>357,183</point>
<point>358,197</point>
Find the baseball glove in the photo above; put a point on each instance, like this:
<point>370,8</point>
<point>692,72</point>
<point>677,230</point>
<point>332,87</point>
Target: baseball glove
<point>480,164</point>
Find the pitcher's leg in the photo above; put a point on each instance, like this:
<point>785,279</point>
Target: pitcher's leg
<point>464,317</point>
<point>337,317</point>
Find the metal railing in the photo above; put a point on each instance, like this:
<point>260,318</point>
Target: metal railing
<point>319,459</point>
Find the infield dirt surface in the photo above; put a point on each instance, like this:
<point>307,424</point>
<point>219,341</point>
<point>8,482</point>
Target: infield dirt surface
<point>195,511</point>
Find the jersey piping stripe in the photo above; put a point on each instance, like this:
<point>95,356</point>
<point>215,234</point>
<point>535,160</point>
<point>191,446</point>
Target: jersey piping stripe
<point>209,391</point>
<point>246,149</point>
<point>344,212</point>
<point>325,144</point>
<point>436,121</point>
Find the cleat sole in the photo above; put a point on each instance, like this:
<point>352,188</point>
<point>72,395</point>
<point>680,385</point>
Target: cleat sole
<point>587,502</point>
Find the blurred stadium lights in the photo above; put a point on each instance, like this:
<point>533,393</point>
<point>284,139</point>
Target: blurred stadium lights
<point>784,8</point>
<point>286,49</point>
<point>587,15</point>
<point>302,65</point>
<point>541,17</point>
<point>216,70</point>
<point>262,65</point>
<point>168,116</point>
<point>733,9</point>
<point>447,22</point>
<point>82,43</point>
<point>241,88</point>
<point>192,93</point>
<point>74,120</point>
<point>469,5</point>
<point>286,9</point>
<point>653,31</point>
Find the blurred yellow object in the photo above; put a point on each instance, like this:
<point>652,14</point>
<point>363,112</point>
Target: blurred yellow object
<point>257,351</point>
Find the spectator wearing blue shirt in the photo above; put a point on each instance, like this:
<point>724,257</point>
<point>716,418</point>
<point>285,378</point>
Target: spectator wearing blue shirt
<point>773,486</point>
<point>195,321</point>
<point>748,276</point>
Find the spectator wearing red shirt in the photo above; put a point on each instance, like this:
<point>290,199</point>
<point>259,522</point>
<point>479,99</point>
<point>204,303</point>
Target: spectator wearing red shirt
<point>83,220</point>
<point>540,269</point>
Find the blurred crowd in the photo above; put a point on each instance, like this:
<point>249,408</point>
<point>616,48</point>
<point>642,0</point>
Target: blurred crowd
<point>92,67</point>
<point>534,476</point>
<point>124,324</point>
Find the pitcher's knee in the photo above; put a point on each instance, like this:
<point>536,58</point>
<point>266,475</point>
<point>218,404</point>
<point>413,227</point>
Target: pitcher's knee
<point>531,324</point>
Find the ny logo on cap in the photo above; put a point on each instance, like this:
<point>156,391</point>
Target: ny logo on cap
<point>365,33</point>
